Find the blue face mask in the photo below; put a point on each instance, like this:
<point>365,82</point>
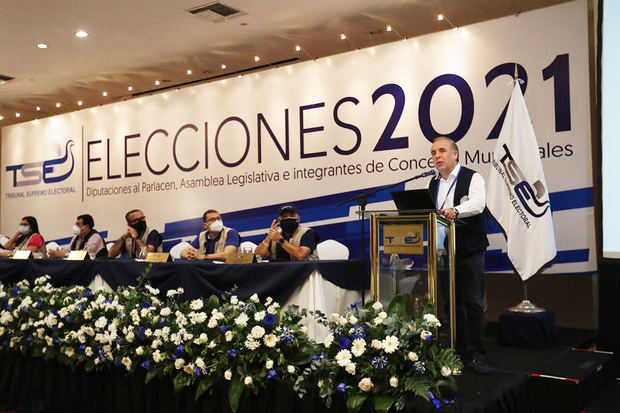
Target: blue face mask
<point>24,229</point>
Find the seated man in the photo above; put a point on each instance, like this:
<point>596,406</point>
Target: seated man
<point>294,243</point>
<point>215,243</point>
<point>137,237</point>
<point>86,238</point>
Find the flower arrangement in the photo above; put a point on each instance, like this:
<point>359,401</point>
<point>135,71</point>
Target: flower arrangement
<point>383,353</point>
<point>245,344</point>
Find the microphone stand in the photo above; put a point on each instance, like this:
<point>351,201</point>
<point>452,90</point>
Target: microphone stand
<point>362,201</point>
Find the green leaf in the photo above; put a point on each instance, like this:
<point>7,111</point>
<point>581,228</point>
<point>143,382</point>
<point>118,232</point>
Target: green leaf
<point>150,375</point>
<point>234,393</point>
<point>204,385</point>
<point>397,306</point>
<point>355,402</point>
<point>384,402</point>
<point>181,381</point>
<point>214,302</point>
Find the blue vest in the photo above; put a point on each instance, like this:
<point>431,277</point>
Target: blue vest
<point>471,235</point>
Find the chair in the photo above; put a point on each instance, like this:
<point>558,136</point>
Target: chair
<point>332,250</point>
<point>108,245</point>
<point>52,246</point>
<point>176,251</point>
<point>247,245</point>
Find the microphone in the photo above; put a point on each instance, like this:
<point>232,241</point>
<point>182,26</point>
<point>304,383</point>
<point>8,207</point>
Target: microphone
<point>432,172</point>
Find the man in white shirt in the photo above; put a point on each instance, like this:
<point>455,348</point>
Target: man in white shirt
<point>459,192</point>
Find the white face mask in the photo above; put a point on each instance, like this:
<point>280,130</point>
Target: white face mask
<point>216,226</point>
<point>76,230</point>
<point>24,229</point>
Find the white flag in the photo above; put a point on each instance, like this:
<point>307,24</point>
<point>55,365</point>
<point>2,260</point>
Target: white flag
<point>518,196</point>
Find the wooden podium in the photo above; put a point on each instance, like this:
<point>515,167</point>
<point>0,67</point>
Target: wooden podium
<point>412,253</point>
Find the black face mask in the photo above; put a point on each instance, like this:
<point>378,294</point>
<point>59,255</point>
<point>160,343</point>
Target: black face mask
<point>289,225</point>
<point>140,226</point>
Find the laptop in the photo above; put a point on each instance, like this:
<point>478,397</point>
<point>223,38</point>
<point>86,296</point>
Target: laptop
<point>414,199</point>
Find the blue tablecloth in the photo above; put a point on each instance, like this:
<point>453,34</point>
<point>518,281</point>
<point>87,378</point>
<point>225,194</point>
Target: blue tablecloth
<point>199,279</point>
<point>529,330</point>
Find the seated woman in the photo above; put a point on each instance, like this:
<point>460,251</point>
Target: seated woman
<point>26,238</point>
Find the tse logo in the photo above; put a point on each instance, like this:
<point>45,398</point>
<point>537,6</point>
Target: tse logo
<point>32,173</point>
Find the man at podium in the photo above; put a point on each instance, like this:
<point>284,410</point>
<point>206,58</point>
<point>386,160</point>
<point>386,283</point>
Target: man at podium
<point>459,192</point>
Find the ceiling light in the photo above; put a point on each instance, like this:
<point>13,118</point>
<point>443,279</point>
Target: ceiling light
<point>42,46</point>
<point>1,117</point>
<point>455,28</point>
<point>130,88</point>
<point>81,34</point>
<point>58,104</point>
<point>343,36</point>
<point>157,83</point>
<point>388,28</point>
<point>440,17</point>
<point>38,108</point>
<point>105,93</point>
<point>80,103</point>
<point>297,48</point>
<point>17,115</point>
<point>223,66</point>
<point>189,71</point>
<point>256,58</point>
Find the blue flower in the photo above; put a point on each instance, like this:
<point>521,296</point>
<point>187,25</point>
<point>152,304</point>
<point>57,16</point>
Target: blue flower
<point>223,328</point>
<point>141,335</point>
<point>180,351</point>
<point>39,304</point>
<point>107,301</point>
<point>286,335</point>
<point>146,364</point>
<point>5,343</point>
<point>271,374</point>
<point>232,353</point>
<point>317,357</point>
<point>82,348</point>
<point>435,400</point>
<point>197,371</point>
<point>88,293</point>
<point>80,306</point>
<point>9,307</point>
<point>344,343</point>
<point>269,320</point>
<point>54,329</point>
<point>15,290</point>
<point>341,388</point>
<point>145,304</point>
<point>56,341</point>
<point>68,319</point>
<point>29,338</point>
<point>25,309</point>
<point>101,354</point>
<point>117,363</point>
<point>419,367</point>
<point>358,331</point>
<point>379,362</point>
<point>119,341</point>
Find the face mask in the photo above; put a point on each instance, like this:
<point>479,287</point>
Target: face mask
<point>140,226</point>
<point>76,230</point>
<point>24,229</point>
<point>289,225</point>
<point>216,226</point>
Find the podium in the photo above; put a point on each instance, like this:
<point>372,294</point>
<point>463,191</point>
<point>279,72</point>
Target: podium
<point>412,253</point>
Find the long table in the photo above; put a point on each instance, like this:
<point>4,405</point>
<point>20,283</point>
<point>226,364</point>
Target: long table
<point>328,286</point>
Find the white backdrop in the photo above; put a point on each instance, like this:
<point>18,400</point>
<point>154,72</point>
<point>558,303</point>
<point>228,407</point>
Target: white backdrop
<point>196,155</point>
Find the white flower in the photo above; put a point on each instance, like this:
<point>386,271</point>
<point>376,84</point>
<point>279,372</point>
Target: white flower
<point>446,371</point>
<point>394,381</point>
<point>334,317</point>
<point>259,315</point>
<point>69,351</point>
<point>178,363</point>
<point>157,356</point>
<point>343,357</point>
<point>377,306</point>
<point>89,331</point>
<point>126,362</point>
<point>431,320</point>
<point>424,335</point>
<point>165,312</point>
<point>228,335</point>
<point>212,344</point>
<point>228,374</point>
<point>101,322</point>
<point>139,351</point>
<point>353,319</point>
<point>343,321</point>
<point>270,340</point>
<point>156,343</point>
<point>328,340</point>
<point>383,315</point>
<point>234,300</point>
<point>88,352</point>
<point>269,364</point>
<point>350,368</point>
<point>251,344</point>
<point>129,336</point>
<point>202,339</point>
<point>390,344</point>
<point>257,332</point>
<point>242,320</point>
<point>376,344</point>
<point>189,369</point>
<point>212,323</point>
<point>365,384</point>
<point>412,356</point>
<point>200,363</point>
<point>254,299</point>
<point>290,369</point>
<point>248,379</point>
<point>358,347</point>
<point>377,320</point>
<point>273,308</point>
<point>196,304</point>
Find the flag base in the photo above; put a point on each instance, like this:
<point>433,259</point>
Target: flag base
<point>526,306</point>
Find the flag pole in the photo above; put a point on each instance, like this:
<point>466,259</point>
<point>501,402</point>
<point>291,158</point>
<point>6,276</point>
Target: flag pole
<point>526,306</point>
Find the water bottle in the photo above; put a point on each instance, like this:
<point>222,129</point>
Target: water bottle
<point>142,254</point>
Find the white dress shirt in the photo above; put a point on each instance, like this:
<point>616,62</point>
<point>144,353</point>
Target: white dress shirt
<point>475,202</point>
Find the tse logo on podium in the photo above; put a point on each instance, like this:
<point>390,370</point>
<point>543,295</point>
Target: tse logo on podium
<point>403,239</point>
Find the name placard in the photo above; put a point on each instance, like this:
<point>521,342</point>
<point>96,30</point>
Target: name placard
<point>240,258</point>
<point>21,255</point>
<point>77,255</point>
<point>158,257</point>
<point>403,239</point>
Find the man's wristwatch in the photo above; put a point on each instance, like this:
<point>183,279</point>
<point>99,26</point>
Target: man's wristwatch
<point>456,212</point>
<point>281,241</point>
